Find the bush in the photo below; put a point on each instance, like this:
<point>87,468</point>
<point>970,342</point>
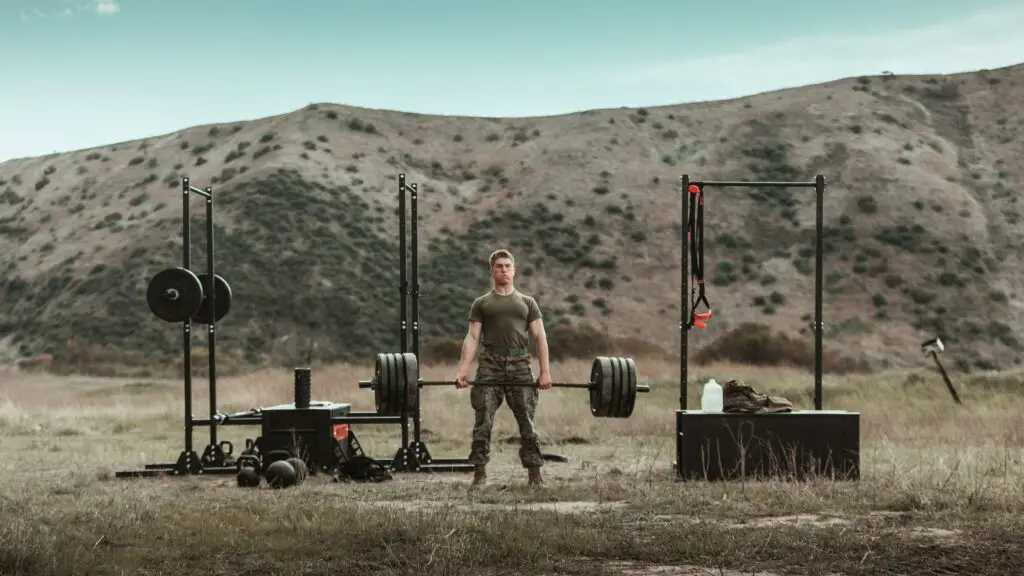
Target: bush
<point>565,342</point>
<point>867,204</point>
<point>757,345</point>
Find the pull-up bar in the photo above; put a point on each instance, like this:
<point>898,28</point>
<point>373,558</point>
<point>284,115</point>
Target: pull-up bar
<point>743,184</point>
<point>694,221</point>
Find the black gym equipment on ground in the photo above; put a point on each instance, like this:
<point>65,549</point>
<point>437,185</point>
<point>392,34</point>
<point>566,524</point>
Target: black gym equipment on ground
<point>413,456</point>
<point>396,383</point>
<point>318,432</point>
<point>725,445</point>
<point>177,295</point>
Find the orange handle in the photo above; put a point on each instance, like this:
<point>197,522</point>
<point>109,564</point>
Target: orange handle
<point>698,319</point>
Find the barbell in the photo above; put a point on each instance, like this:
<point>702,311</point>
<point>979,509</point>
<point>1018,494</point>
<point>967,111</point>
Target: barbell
<point>177,294</point>
<point>613,385</point>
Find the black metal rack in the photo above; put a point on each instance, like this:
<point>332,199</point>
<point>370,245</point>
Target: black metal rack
<point>414,455</point>
<point>685,324</point>
<point>218,457</point>
<point>730,445</point>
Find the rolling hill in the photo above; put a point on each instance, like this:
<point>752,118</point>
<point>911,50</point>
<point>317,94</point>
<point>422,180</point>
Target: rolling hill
<point>922,215</point>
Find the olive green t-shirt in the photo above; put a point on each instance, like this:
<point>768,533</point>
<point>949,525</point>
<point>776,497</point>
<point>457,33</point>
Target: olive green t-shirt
<point>506,318</point>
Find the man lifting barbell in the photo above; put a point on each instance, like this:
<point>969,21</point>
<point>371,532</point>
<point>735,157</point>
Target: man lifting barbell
<point>500,325</point>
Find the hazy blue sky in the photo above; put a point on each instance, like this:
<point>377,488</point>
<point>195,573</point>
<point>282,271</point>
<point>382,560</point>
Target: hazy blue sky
<point>81,73</point>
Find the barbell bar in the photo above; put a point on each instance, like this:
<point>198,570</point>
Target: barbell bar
<point>613,385</point>
<point>536,384</point>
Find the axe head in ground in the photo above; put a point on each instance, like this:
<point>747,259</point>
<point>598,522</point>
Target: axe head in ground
<point>933,346</point>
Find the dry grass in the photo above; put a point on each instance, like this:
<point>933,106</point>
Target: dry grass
<point>941,489</point>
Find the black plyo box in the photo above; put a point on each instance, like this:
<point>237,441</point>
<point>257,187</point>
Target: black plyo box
<point>309,431</point>
<point>798,444</point>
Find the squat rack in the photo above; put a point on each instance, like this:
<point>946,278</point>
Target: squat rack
<point>693,239</point>
<point>414,455</point>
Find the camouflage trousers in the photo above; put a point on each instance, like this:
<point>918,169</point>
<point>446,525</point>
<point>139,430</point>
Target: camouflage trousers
<point>522,400</point>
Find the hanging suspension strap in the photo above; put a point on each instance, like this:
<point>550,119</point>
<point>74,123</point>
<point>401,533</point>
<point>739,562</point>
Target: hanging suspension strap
<point>696,240</point>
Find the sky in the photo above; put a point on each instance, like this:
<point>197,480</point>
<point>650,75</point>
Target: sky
<point>84,73</point>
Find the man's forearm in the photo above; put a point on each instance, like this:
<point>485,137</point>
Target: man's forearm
<point>542,355</point>
<point>468,353</point>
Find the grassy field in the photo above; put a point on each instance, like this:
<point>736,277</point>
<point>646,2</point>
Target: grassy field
<point>941,492</point>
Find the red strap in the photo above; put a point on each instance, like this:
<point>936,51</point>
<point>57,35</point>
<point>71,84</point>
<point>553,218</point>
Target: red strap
<point>699,318</point>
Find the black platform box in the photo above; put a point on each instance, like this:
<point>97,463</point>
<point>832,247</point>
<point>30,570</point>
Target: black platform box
<point>308,431</point>
<point>798,444</point>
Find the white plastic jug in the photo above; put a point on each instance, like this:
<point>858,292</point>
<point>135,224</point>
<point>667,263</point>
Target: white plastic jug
<point>711,400</point>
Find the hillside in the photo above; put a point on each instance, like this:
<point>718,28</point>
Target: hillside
<point>922,215</point>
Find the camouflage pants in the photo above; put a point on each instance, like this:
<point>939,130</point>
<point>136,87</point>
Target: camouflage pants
<point>522,400</point>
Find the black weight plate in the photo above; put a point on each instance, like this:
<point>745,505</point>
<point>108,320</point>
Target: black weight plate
<point>387,387</point>
<point>602,372</point>
<point>398,388</point>
<point>223,301</point>
<point>600,390</point>
<point>595,388</point>
<point>380,382</point>
<point>630,387</point>
<point>411,378</point>
<point>174,294</point>
<point>625,387</point>
<point>396,384</point>
<point>376,383</point>
<point>394,391</point>
<point>617,378</point>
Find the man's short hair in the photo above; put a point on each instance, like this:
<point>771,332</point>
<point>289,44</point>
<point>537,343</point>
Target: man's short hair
<point>501,253</point>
